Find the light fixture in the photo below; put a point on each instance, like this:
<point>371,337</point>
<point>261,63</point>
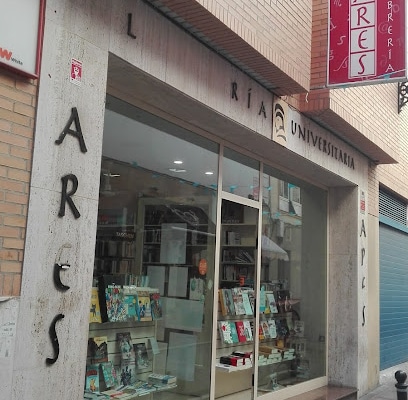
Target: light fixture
<point>177,170</point>
<point>209,173</point>
<point>178,162</point>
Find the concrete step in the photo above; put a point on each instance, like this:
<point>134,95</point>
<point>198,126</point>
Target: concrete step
<point>328,393</point>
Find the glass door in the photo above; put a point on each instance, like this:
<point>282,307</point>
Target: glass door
<point>237,305</point>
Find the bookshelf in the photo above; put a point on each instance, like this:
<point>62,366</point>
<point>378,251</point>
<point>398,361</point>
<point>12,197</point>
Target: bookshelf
<point>236,310</point>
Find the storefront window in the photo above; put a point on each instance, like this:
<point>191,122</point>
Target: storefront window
<point>240,175</point>
<point>293,275</point>
<point>151,314</point>
<point>152,300</point>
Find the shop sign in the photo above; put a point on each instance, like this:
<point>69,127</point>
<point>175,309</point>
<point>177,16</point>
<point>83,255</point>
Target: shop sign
<point>366,42</point>
<point>236,95</point>
<point>288,123</point>
<point>66,198</point>
<point>21,32</point>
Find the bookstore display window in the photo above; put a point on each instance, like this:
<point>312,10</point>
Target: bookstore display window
<point>151,312</point>
<point>293,278</point>
<point>272,301</point>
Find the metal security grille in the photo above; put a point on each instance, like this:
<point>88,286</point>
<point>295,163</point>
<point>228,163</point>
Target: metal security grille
<point>392,208</point>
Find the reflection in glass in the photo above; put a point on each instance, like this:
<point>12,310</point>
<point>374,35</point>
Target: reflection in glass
<point>156,245</point>
<point>293,283</point>
<point>240,175</point>
<point>237,274</point>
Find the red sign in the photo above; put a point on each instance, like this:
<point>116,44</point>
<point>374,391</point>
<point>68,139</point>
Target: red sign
<point>366,42</point>
<point>76,72</point>
<point>21,35</point>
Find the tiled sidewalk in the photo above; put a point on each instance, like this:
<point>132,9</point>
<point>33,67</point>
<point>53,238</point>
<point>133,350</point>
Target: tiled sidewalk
<point>386,390</point>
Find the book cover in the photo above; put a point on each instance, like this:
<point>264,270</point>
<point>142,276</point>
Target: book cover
<point>144,312</point>
<point>225,332</point>
<point>246,303</point>
<point>92,378</point>
<point>196,289</point>
<point>109,374</point>
<point>142,359</point>
<point>229,301</point>
<point>234,333</point>
<point>271,303</point>
<point>223,306</point>
<point>126,376</point>
<point>265,328</point>
<point>156,306</point>
<point>251,295</point>
<point>272,328</point>
<point>282,330</point>
<point>238,301</point>
<point>162,378</point>
<point>299,328</point>
<point>127,354</point>
<point>261,333</point>
<point>95,310</point>
<point>115,306</point>
<point>131,302</point>
<point>98,349</point>
<point>240,331</point>
<point>248,331</point>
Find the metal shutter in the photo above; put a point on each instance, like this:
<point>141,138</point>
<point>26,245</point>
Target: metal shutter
<point>392,208</point>
<point>393,297</point>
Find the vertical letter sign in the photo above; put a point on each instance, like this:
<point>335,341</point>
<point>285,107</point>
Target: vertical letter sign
<point>366,42</point>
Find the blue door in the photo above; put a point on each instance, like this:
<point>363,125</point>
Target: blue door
<point>393,296</point>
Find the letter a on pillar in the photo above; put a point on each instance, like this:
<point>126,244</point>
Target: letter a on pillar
<point>77,133</point>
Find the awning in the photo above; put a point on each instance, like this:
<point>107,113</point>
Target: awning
<point>269,249</point>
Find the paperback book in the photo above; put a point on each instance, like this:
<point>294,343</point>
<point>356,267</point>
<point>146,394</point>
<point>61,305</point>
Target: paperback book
<point>109,374</point>
<point>246,302</point>
<point>144,312</point>
<point>92,378</point>
<point>127,355</point>
<point>127,358</point>
<point>238,301</point>
<point>241,331</point>
<point>196,289</point>
<point>156,306</point>
<point>248,331</point>
<point>223,305</point>
<point>95,310</point>
<point>115,305</point>
<point>229,301</point>
<point>272,328</point>
<point>265,328</point>
<point>142,359</point>
<point>130,302</point>
<point>271,303</point>
<point>162,378</point>
<point>226,333</point>
<point>98,349</point>
<point>299,328</point>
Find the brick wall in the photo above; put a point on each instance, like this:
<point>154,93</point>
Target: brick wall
<point>279,30</point>
<point>372,110</point>
<point>18,98</point>
<point>394,177</point>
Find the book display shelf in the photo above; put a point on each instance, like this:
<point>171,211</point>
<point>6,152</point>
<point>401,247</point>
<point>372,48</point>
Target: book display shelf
<point>148,301</point>
<point>236,293</point>
<point>267,317</point>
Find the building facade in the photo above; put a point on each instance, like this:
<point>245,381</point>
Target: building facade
<point>197,154</point>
